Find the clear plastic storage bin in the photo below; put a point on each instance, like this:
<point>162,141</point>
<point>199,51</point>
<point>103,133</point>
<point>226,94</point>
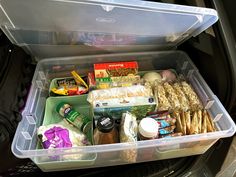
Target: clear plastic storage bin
<point>25,141</point>
<point>61,28</point>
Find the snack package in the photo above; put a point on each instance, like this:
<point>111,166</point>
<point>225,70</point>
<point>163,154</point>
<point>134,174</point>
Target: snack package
<point>172,96</point>
<point>128,133</point>
<point>91,81</point>
<point>184,103</point>
<point>115,69</point>
<point>183,120</point>
<point>121,92</point>
<point>55,136</point>
<point>59,91</point>
<point>79,80</point>
<point>204,122</point>
<point>163,123</point>
<point>70,90</point>
<point>58,136</point>
<point>163,118</point>
<point>67,87</point>
<point>167,130</point>
<point>163,102</point>
<point>117,74</point>
<point>138,100</point>
<point>65,82</point>
<point>199,114</point>
<point>188,122</point>
<point>171,135</point>
<point>179,126</point>
<point>194,124</point>
<point>210,124</point>
<point>159,115</point>
<point>194,101</point>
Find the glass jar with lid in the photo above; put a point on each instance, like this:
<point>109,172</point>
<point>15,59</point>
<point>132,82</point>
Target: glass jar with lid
<point>106,132</point>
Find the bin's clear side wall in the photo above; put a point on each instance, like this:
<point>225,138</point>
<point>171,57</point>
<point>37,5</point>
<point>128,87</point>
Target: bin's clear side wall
<point>25,139</point>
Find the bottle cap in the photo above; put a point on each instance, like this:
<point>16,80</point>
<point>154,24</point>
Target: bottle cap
<point>105,124</point>
<point>61,104</point>
<point>148,128</point>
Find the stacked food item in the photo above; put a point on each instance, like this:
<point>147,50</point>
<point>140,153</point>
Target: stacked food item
<point>127,106</point>
<point>181,101</point>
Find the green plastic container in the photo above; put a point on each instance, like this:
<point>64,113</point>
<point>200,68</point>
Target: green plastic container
<point>81,105</point>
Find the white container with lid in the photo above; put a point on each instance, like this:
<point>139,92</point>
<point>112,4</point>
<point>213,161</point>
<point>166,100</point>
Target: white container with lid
<point>148,129</point>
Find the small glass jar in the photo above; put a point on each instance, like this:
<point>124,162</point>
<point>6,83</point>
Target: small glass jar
<point>106,132</point>
<point>148,129</point>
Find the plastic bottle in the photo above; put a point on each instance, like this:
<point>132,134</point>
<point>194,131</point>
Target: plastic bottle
<point>80,121</point>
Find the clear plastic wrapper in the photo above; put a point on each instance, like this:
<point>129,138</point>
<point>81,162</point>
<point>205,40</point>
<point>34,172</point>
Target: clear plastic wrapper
<point>138,100</point>
<point>163,102</point>
<point>210,124</point>
<point>121,92</point>
<point>183,120</point>
<point>163,123</point>
<point>204,121</point>
<point>188,122</point>
<point>194,123</point>
<point>167,130</point>
<point>172,96</point>
<point>199,114</point>
<point>91,81</point>
<point>194,101</point>
<point>179,126</point>
<point>171,135</point>
<point>128,133</point>
<point>61,135</point>
<point>184,103</point>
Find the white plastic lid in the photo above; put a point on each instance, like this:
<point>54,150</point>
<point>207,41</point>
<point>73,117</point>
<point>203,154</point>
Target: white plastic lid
<point>148,127</point>
<point>54,27</point>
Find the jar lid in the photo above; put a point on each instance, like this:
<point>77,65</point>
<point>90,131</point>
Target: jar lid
<point>148,127</point>
<point>105,124</point>
<point>61,104</point>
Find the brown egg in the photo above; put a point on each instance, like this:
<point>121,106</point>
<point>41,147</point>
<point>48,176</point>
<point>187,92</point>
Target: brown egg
<point>168,76</point>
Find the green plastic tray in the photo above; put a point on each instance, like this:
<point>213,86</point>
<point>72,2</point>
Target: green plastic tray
<point>80,104</point>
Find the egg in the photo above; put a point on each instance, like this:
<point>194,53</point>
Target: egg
<point>168,76</point>
<point>151,77</point>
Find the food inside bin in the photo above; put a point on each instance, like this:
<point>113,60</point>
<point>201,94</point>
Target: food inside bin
<point>67,124</point>
<point>116,74</point>
<point>127,106</point>
<point>68,86</point>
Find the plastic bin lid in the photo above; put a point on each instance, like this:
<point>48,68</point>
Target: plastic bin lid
<point>48,23</point>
